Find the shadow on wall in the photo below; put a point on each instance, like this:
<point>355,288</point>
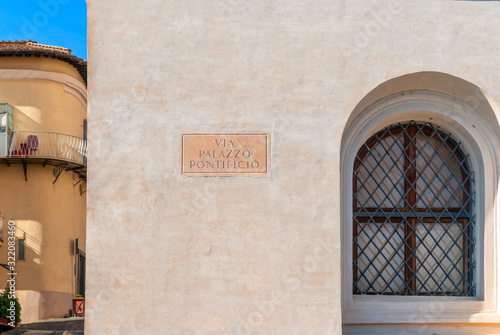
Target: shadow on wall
<point>28,118</point>
<point>43,283</point>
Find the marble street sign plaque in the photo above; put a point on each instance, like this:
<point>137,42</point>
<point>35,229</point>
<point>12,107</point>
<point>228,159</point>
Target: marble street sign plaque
<point>225,154</point>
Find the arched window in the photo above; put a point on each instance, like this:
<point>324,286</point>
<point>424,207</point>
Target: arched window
<point>413,214</point>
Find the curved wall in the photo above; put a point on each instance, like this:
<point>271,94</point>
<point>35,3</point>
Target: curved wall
<point>47,94</point>
<point>48,215</point>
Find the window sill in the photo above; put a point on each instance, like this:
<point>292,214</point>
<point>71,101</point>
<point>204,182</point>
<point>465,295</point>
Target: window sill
<point>385,310</point>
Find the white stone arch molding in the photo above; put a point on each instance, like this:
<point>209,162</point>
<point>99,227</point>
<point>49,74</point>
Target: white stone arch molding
<point>69,84</point>
<point>480,138</point>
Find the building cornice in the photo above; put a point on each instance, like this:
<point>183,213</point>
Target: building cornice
<point>32,48</point>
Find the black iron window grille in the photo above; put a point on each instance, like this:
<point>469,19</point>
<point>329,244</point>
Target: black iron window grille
<point>413,214</point>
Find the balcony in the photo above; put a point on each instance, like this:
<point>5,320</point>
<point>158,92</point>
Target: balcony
<point>63,152</point>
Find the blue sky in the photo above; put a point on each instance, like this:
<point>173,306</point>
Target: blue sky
<point>55,22</point>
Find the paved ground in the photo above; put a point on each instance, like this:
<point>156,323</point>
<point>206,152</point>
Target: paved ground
<point>72,326</point>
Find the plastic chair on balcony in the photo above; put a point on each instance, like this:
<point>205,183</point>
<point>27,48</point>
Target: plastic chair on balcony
<point>31,144</point>
<point>24,150</point>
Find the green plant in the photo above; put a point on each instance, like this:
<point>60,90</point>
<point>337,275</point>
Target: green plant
<point>10,309</point>
<point>78,296</point>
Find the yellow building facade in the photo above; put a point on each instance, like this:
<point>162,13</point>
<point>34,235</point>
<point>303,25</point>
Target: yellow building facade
<point>43,174</point>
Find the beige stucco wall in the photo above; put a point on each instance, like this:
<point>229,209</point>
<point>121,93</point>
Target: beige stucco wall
<point>48,215</point>
<point>243,255</point>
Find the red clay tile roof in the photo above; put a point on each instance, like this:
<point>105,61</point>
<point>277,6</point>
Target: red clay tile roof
<point>29,48</point>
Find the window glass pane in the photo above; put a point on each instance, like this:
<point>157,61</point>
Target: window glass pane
<point>439,174</point>
<point>440,258</point>
<point>20,251</point>
<point>10,118</point>
<point>3,122</point>
<point>380,179</point>
<point>380,260</point>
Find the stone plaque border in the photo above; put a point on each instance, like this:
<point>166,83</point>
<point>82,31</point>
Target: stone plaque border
<point>228,174</point>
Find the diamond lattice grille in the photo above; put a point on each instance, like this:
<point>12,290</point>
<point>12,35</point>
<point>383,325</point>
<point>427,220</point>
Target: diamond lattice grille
<point>413,214</point>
